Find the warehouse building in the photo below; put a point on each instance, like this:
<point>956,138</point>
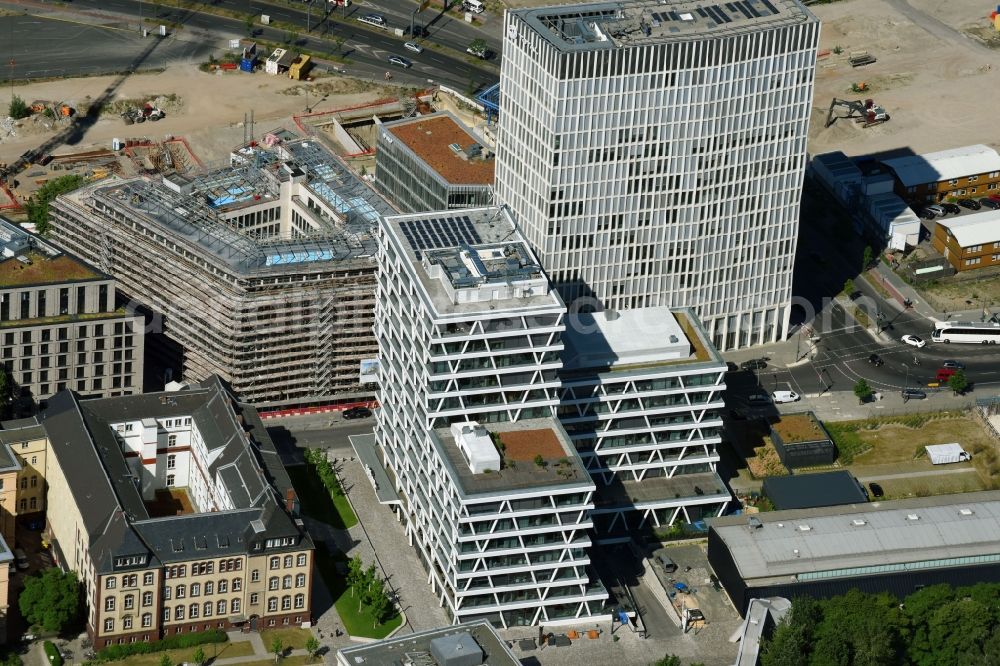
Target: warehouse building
<point>896,546</point>
<point>970,171</point>
<point>971,241</point>
<point>432,162</point>
<point>262,272</point>
<point>59,324</point>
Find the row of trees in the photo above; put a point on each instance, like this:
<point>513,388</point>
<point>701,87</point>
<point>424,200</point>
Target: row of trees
<point>324,469</point>
<point>370,590</point>
<point>958,383</point>
<point>935,626</point>
<point>38,207</point>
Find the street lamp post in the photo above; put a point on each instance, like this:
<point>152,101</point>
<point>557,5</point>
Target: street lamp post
<point>906,381</point>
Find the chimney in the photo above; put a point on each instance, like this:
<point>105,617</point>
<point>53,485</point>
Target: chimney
<point>291,502</point>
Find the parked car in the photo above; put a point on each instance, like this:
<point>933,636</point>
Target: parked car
<point>915,394</point>
<point>936,209</point>
<point>357,413</point>
<point>926,214</point>
<point>413,46</point>
<point>913,341</point>
<point>995,197</point>
<point>992,204</point>
<point>21,559</point>
<point>950,208</point>
<point>876,490</point>
<point>400,61</point>
<point>953,365</point>
<point>753,364</point>
<point>758,400</point>
<point>780,397</point>
<point>374,19</point>
<point>668,564</point>
<point>876,360</point>
<point>971,204</point>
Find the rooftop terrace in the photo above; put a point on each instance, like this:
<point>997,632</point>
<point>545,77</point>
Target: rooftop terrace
<point>527,438</point>
<point>417,647</point>
<point>44,269</point>
<point>446,146</point>
<point>608,25</point>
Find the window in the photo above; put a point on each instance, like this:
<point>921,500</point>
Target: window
<point>968,262</point>
<point>234,606</point>
<point>170,479</point>
<point>33,502</point>
<point>127,622</point>
<point>223,586</point>
<point>237,584</point>
<point>109,603</point>
<point>147,619</point>
<point>171,461</point>
<point>973,179</point>
<point>129,601</point>
<point>272,583</point>
<point>286,603</point>
<point>254,598</point>
<point>34,481</point>
<point>193,611</point>
<point>288,561</point>
<point>255,576</point>
<point>275,562</point>
<point>24,505</point>
<point>166,593</point>
<point>974,248</point>
<point>147,578</point>
<point>301,560</point>
<point>953,181</point>
<point>286,582</point>
<point>300,600</point>
<point>34,460</point>
<point>220,607</point>
<point>300,580</point>
<point>179,613</point>
<point>109,624</point>
<point>171,440</point>
<point>130,580</point>
<point>209,587</point>
<point>207,609</point>
<point>180,591</point>
<point>272,604</point>
<point>147,599</point>
<point>166,613</point>
<point>195,589</point>
<point>24,482</point>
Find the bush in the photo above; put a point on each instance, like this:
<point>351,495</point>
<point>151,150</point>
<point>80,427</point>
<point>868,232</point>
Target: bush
<point>117,652</point>
<point>55,659</point>
<point>38,207</point>
<point>18,109</point>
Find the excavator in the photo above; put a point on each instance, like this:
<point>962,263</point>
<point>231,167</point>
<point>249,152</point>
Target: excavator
<point>866,112</point>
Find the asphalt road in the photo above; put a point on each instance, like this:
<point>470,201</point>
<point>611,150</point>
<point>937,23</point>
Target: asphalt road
<point>320,431</point>
<point>367,51</point>
<point>49,48</point>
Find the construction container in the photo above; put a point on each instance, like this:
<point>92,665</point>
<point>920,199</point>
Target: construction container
<point>299,69</point>
<point>996,21</point>
<point>247,64</point>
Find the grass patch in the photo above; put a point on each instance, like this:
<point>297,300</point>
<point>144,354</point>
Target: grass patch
<point>356,624</point>
<point>291,637</point>
<point>317,501</point>
<point>219,650</point>
<point>847,440</point>
<point>295,660</point>
<point>765,462</point>
<point>877,286</point>
<point>861,317</point>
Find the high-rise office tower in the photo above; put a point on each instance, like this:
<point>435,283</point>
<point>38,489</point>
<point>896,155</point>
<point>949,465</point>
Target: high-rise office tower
<point>653,153</point>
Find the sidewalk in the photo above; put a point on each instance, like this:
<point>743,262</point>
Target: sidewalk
<point>900,290</point>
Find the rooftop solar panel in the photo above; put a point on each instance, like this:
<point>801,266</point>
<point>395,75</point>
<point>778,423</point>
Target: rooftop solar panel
<point>770,7</point>
<point>745,9</point>
<point>440,232</point>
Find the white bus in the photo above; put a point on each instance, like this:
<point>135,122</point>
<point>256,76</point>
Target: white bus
<point>984,333</point>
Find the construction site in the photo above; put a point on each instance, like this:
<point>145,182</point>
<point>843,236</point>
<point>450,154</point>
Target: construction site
<point>260,270</point>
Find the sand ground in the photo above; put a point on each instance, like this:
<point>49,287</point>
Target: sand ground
<point>209,115</point>
<point>937,74</point>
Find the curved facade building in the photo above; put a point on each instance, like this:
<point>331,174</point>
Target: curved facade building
<point>653,153</point>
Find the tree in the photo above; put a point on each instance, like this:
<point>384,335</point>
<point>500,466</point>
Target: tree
<point>539,460</point>
<point>478,47</point>
<point>863,390</point>
<point>380,605</point>
<point>166,661</point>
<point>277,648</point>
<point>958,382</point>
<point>199,656</point>
<point>354,572</point>
<point>312,647</point>
<point>18,109</point>
<point>668,660</point>
<point>50,600</point>
<point>866,258</point>
<point>849,287</point>
<point>368,578</point>
<point>6,392</point>
<point>38,206</point>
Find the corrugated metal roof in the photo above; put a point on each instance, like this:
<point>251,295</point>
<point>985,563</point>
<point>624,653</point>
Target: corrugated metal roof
<point>975,229</point>
<point>944,165</point>
<point>863,535</point>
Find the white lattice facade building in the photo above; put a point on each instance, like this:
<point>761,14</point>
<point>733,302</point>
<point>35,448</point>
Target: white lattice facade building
<point>470,341</point>
<point>653,153</point>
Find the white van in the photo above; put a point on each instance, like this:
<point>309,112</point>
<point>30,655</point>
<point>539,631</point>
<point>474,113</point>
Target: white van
<point>474,6</point>
<point>784,396</point>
